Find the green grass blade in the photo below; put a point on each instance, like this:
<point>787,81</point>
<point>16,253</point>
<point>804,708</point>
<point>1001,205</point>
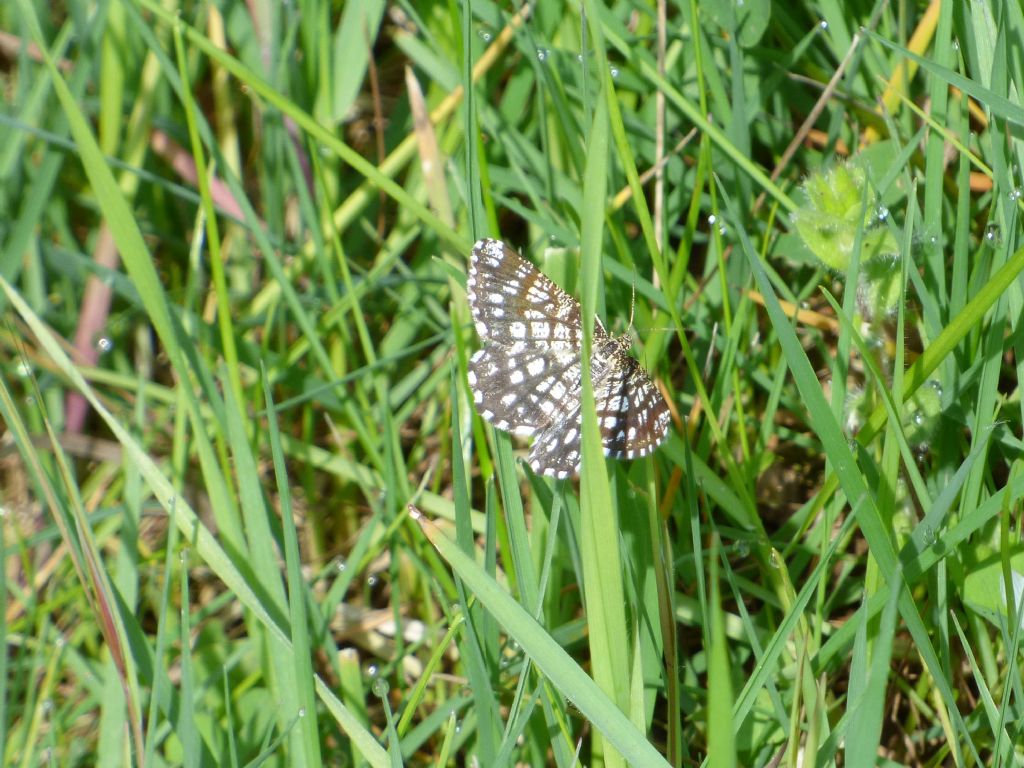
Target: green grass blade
<point>557,666</point>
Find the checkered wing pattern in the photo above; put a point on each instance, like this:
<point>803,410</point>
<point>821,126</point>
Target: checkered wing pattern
<point>630,411</point>
<point>631,415</point>
<point>519,389</point>
<point>514,304</point>
<point>527,378</point>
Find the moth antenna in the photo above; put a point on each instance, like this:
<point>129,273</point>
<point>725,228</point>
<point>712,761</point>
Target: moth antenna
<point>632,304</point>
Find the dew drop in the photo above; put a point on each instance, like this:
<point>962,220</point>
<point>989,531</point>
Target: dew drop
<point>936,386</point>
<point>1015,194</point>
<point>47,706</point>
<point>542,54</point>
<point>371,581</point>
<point>992,235</point>
<point>928,534</point>
<point>380,687</point>
<point>712,219</point>
<point>881,214</point>
<point>104,345</point>
<point>341,566</point>
<point>614,72</point>
<point>823,25</point>
<point>23,370</point>
<point>372,670</point>
<point>302,711</point>
<point>485,35</point>
<point>742,548</point>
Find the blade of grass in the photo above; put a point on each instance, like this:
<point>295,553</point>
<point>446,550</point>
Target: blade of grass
<point>306,741</point>
<point>562,671</point>
<point>721,737</point>
<point>603,591</point>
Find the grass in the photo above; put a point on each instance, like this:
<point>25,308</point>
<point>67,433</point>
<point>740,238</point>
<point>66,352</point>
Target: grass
<point>250,515</point>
